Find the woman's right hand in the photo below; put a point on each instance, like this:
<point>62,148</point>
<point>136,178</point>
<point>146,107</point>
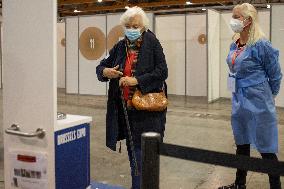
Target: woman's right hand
<point>112,73</point>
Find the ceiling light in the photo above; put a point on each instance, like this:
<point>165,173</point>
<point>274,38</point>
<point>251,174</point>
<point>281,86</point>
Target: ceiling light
<point>76,10</point>
<point>100,1</point>
<point>204,9</point>
<point>126,7</point>
<point>268,6</point>
<point>188,3</point>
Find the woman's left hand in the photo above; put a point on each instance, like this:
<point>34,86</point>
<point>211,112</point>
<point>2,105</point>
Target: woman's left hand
<point>128,81</point>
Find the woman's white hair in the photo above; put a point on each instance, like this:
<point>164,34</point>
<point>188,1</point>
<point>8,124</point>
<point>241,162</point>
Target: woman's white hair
<point>255,33</point>
<point>131,12</point>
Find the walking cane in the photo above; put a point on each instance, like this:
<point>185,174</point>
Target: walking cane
<point>129,132</point>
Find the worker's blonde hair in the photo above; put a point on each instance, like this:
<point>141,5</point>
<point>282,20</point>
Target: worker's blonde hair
<point>255,33</point>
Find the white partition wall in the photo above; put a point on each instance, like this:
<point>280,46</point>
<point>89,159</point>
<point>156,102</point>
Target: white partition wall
<point>72,63</point>
<point>113,21</point>
<point>213,53</point>
<point>88,82</point>
<point>29,95</point>
<point>151,21</point>
<point>196,58</point>
<point>277,39</point>
<point>170,30</point>
<point>264,22</point>
<point>1,59</point>
<point>226,35</point>
<point>60,55</point>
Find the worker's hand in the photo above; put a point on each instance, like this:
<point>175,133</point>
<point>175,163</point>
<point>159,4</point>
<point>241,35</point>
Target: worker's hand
<point>128,81</point>
<point>112,72</point>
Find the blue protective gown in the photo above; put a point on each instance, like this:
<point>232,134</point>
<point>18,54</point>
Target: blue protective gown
<point>258,77</point>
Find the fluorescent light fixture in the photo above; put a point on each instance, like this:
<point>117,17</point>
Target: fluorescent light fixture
<point>204,9</point>
<point>268,6</point>
<point>188,3</point>
<point>126,7</point>
<point>77,10</point>
<point>100,1</point>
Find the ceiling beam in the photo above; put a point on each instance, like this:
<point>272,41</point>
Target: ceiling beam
<point>142,5</point>
<point>210,1</point>
<point>75,2</point>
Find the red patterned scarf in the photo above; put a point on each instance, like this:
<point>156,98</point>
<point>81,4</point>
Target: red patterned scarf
<point>132,50</point>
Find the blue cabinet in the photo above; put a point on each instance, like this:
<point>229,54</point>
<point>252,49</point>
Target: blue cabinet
<point>72,157</point>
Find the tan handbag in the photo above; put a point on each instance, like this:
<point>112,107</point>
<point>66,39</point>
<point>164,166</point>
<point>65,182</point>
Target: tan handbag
<point>150,101</point>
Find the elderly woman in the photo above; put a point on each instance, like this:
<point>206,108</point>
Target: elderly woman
<point>254,80</point>
<point>135,62</point>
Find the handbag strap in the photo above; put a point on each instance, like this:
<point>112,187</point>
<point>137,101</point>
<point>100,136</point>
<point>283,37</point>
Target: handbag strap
<point>165,89</point>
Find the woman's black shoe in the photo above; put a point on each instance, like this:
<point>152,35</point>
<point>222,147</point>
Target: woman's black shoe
<point>233,186</point>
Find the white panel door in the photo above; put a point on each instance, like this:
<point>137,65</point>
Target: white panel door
<point>213,32</point>
<point>277,33</point>
<point>173,42</point>
<point>72,65</point>
<point>29,95</point>
<point>196,58</point>
<point>88,82</point>
<point>60,55</point>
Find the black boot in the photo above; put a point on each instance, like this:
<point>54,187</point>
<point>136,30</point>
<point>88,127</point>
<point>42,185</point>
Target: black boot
<point>240,182</point>
<point>233,186</point>
<point>274,180</point>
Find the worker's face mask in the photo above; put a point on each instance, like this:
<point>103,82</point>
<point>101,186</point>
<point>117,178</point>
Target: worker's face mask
<point>132,34</point>
<point>237,25</point>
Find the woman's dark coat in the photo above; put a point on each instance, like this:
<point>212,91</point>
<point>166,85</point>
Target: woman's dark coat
<point>151,72</point>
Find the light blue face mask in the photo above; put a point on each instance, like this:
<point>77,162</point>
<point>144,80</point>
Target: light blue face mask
<point>132,34</point>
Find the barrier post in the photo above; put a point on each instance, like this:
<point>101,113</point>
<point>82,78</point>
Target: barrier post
<point>150,160</point>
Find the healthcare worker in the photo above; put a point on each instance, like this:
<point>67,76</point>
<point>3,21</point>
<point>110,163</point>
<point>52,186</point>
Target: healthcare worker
<point>254,81</point>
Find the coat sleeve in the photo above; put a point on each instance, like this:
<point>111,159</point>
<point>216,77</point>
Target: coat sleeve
<point>149,81</point>
<point>106,63</point>
<point>272,67</point>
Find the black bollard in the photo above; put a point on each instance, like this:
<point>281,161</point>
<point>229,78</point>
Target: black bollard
<point>150,160</point>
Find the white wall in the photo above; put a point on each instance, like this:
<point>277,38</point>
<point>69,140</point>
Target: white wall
<point>213,32</point>
<point>196,57</point>
<point>277,40</point>
<point>170,30</point>
<point>29,95</point>
<point>60,56</point>
<point>226,39</point>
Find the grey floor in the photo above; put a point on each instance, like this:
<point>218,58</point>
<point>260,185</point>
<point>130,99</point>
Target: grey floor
<point>190,122</point>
